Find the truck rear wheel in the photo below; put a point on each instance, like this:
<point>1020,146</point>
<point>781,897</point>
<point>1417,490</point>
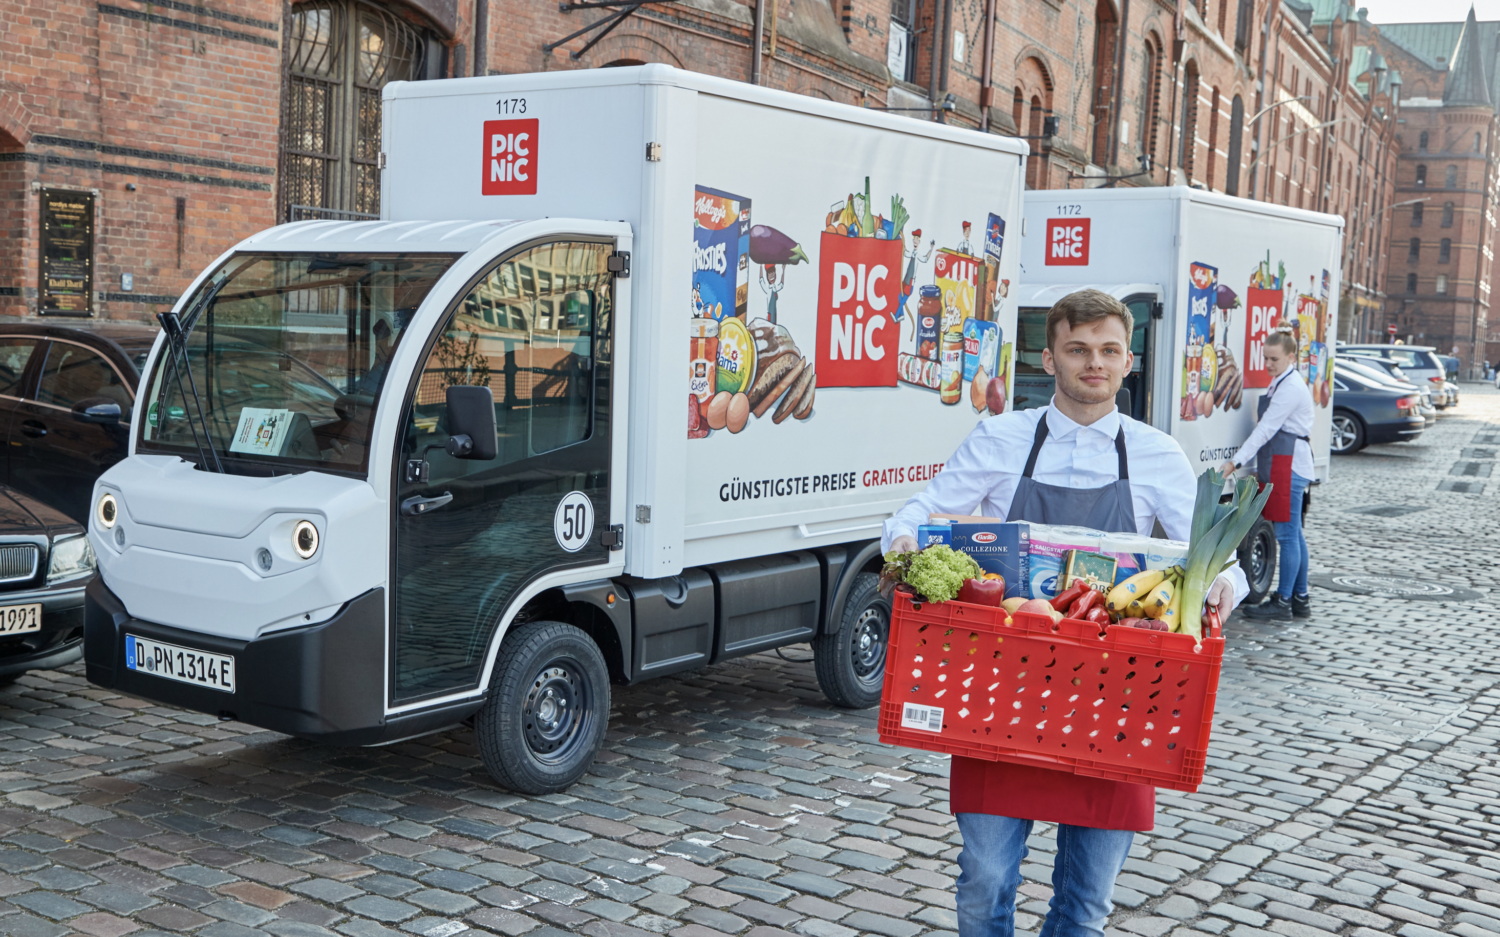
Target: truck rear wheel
<point>547,709</point>
<point>1258,560</point>
<point>850,662</point>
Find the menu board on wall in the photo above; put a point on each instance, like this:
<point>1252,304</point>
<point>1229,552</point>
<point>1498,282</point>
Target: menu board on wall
<point>67,269</point>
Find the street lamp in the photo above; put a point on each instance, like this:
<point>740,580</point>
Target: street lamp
<point>1269,107</point>
<point>1354,241</point>
<point>1327,123</point>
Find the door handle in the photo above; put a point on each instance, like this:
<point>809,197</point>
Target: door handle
<point>411,507</point>
<point>34,428</point>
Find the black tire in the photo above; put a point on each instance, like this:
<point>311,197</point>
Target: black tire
<point>1348,432</point>
<point>1257,555</point>
<point>547,709</point>
<point>850,662</point>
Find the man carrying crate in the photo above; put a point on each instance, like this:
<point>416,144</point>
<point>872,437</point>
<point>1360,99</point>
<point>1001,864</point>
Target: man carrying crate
<point>1077,462</point>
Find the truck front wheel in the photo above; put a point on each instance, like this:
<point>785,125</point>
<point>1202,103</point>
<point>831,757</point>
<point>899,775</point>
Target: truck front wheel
<point>850,662</point>
<point>547,709</point>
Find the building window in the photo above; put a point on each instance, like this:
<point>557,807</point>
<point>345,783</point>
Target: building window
<point>1444,250</point>
<point>899,53</point>
<point>1236,142</point>
<point>1450,178</point>
<point>1150,94</point>
<point>1106,37</point>
<point>1186,151</point>
<point>1242,26</point>
<point>1414,250</point>
<point>1422,142</point>
<point>1416,215</point>
<point>1411,282</point>
<point>1478,141</point>
<point>1441,285</point>
<point>1213,136</point>
<point>342,52</point>
<point>1447,214</point>
<point>1421,175</point>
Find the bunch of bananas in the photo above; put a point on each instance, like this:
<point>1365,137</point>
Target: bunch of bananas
<point>1155,593</point>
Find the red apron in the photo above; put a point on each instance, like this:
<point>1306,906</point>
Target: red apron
<point>1025,792</point>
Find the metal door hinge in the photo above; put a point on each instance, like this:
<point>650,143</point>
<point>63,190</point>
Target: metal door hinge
<point>619,264</point>
<point>1156,310</point>
<point>643,513</point>
<point>416,471</point>
<point>614,537</point>
<point>653,152</point>
<point>382,161</point>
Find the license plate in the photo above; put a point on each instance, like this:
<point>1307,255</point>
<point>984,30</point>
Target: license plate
<point>183,664</point>
<point>15,619</point>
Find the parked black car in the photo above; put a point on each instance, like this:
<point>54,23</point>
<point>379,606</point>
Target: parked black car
<point>45,563</point>
<point>65,400</point>
<point>1365,412</point>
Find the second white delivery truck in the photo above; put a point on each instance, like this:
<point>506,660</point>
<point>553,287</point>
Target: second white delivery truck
<point>624,382</point>
<point>1207,278</point>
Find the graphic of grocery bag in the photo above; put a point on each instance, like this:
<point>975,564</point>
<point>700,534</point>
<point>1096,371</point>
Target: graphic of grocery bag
<point>859,288</point>
<point>721,254</point>
<point>1264,313</point>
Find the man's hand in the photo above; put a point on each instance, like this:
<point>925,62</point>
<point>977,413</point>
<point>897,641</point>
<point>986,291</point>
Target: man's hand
<point>904,544</point>
<point>1227,468</point>
<point>1221,596</point>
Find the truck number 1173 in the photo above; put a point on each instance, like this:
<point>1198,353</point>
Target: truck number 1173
<point>510,106</point>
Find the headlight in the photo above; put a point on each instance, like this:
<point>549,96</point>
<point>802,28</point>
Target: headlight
<point>71,558</point>
<point>305,539</point>
<point>107,511</point>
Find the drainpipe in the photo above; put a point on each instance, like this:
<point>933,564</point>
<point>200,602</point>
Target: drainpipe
<point>947,43</point>
<point>1121,31</point>
<point>481,36</point>
<point>986,77</point>
<point>756,43</point>
<point>937,53</point>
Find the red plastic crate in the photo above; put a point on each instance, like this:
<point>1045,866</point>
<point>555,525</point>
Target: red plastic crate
<point>1129,705</point>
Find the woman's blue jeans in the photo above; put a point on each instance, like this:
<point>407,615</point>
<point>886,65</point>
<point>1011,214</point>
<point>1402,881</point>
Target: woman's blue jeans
<point>1293,545</point>
<point>1083,876</point>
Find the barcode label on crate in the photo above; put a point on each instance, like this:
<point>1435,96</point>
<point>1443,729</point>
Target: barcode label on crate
<point>926,718</point>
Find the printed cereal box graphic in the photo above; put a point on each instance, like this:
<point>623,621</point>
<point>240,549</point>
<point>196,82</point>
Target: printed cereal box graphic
<point>721,254</point>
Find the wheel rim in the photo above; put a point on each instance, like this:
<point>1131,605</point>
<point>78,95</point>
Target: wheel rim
<point>1260,559</point>
<point>868,644</point>
<point>1343,433</point>
<point>557,711</point>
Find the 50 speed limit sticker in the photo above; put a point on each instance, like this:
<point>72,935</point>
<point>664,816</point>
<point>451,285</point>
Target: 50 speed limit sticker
<point>573,523</point>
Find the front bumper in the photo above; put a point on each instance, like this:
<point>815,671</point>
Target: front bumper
<point>324,681</point>
<point>60,640</point>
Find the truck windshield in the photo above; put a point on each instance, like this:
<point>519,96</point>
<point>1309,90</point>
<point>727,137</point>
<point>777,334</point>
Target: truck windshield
<point>289,359</point>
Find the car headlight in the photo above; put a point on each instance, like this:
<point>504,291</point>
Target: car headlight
<point>71,558</point>
<point>107,511</point>
<point>305,539</point>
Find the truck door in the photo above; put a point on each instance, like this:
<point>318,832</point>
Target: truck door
<point>536,329</point>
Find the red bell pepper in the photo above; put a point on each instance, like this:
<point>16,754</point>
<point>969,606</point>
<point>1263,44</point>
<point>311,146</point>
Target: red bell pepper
<point>1099,615</point>
<point>982,591</point>
<point>1071,594</point>
<point>1088,600</point>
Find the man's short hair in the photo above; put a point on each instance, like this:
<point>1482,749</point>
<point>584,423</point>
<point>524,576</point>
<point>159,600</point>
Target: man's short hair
<point>1282,339</point>
<point>1087,306</point>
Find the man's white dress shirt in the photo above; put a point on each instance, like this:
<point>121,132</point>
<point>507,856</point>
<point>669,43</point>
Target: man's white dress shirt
<point>1291,409</point>
<point>981,476</point>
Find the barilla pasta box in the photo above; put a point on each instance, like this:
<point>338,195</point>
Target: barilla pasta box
<point>721,254</point>
<point>998,547</point>
<point>932,535</point>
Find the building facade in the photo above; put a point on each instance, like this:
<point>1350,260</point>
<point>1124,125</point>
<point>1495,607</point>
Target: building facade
<point>191,123</point>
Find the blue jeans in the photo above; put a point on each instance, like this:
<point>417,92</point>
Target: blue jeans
<point>1083,877</point>
<point>1293,545</point>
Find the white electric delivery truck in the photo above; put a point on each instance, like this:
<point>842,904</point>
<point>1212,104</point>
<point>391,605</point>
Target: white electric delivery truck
<point>623,382</point>
<point>1207,277</point>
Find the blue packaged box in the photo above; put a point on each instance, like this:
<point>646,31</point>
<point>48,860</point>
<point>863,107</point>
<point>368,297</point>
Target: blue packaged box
<point>998,547</point>
<point>721,254</point>
<point>931,535</point>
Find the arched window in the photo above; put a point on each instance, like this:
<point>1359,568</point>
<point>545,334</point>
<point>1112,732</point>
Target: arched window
<point>1478,141</point>
<point>1416,215</point>
<point>1421,175</point>
<point>1422,142</point>
<point>1441,285</point>
<point>1414,250</point>
<point>1037,170</point>
<point>341,53</point>
<point>1106,37</point>
<point>1189,124</point>
<point>1411,282</point>
<point>1444,250</point>
<point>1150,95</point>
<point>1213,136</point>
<point>1447,214</point>
<point>1450,177</point>
<point>1236,143</point>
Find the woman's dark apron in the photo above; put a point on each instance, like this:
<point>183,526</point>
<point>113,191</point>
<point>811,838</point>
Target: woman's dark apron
<point>1025,792</point>
<point>1273,464</point>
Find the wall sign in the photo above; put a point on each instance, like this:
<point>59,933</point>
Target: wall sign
<point>67,269</point>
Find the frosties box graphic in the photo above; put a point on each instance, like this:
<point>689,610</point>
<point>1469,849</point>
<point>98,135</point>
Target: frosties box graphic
<point>721,254</point>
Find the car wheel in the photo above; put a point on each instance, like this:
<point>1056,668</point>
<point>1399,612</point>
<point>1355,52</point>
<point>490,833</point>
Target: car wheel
<point>547,709</point>
<point>850,662</point>
<point>1257,555</point>
<point>1348,433</point>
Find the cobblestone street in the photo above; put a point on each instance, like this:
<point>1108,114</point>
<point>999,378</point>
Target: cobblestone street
<point>1353,787</point>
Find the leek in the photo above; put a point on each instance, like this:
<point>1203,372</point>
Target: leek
<point>1217,530</point>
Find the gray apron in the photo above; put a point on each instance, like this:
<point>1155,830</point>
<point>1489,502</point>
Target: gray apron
<point>1108,508</point>
<point>1273,464</point>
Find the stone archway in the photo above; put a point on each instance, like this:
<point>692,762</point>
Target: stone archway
<point>631,49</point>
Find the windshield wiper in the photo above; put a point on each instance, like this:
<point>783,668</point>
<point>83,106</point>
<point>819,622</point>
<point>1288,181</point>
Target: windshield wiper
<point>177,339</point>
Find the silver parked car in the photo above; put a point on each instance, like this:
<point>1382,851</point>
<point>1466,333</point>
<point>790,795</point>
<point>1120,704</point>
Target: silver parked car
<point>1420,363</point>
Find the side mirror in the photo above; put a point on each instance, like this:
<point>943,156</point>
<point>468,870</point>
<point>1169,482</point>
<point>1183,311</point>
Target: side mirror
<point>471,423</point>
<point>97,410</point>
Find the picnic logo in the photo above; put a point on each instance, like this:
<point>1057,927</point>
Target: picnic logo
<point>510,157</point>
<point>1068,242</point>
